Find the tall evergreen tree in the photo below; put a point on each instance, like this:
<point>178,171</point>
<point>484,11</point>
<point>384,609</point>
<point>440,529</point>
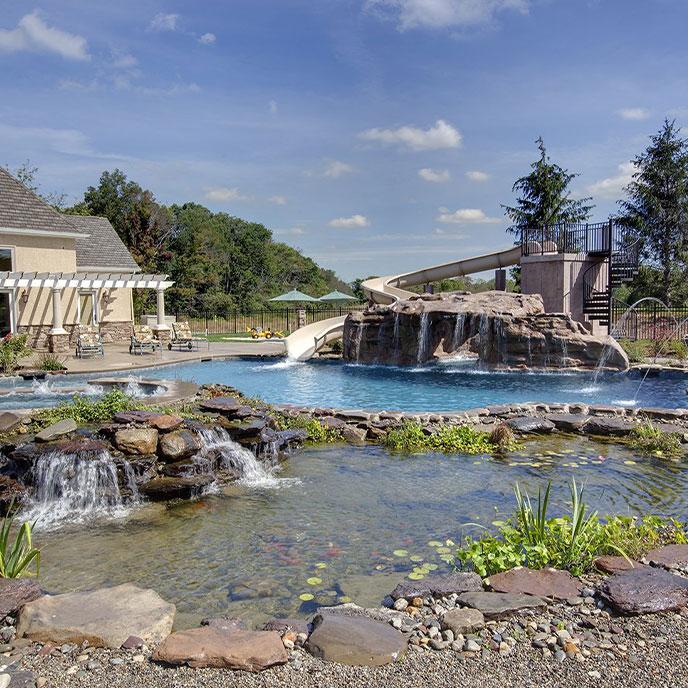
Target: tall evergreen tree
<point>544,197</point>
<point>657,206</point>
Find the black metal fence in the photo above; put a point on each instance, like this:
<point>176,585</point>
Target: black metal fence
<point>282,319</point>
<point>649,321</point>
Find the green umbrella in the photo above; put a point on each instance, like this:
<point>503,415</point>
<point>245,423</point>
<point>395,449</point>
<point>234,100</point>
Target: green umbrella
<point>337,296</point>
<point>294,295</point>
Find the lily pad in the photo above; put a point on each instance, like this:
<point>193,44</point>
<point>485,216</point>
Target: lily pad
<point>416,576</point>
<point>435,543</point>
<point>321,565</point>
<point>443,550</point>
<point>416,557</point>
<point>314,580</point>
<point>306,597</point>
<point>400,552</point>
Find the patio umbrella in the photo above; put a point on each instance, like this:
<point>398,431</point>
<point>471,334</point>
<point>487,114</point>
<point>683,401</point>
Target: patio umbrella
<point>337,296</point>
<point>295,296</point>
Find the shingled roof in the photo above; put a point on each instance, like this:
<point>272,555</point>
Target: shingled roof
<point>98,247</point>
<point>101,246</point>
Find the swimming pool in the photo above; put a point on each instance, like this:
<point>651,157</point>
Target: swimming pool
<point>436,387</point>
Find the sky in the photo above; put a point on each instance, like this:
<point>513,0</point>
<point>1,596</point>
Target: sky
<point>376,136</point>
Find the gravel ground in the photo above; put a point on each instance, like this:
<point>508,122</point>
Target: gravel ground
<point>662,662</point>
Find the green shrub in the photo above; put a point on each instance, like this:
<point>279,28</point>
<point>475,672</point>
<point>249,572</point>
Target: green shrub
<point>50,362</point>
<point>85,411</point>
<point>572,541</point>
<point>680,351</point>
<point>16,557</point>
<point>635,350</point>
<point>12,349</point>
<point>649,439</point>
<point>459,439</point>
<point>316,432</point>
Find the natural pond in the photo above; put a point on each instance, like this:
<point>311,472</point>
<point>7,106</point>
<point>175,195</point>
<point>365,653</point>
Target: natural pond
<point>340,523</point>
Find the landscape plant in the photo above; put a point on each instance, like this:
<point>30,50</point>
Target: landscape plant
<point>316,432</point>
<point>18,555</point>
<point>84,411</point>
<point>51,362</point>
<point>649,439</point>
<point>411,437</point>
<point>13,348</point>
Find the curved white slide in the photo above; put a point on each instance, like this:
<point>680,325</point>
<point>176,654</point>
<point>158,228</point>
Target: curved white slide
<point>304,342</point>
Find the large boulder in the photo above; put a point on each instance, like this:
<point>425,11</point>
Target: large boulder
<point>439,585</point>
<point>56,430</point>
<point>550,583</point>
<point>644,591</point>
<point>139,441</point>
<point>355,640</point>
<point>179,444</point>
<point>214,646</point>
<point>181,487</point>
<point>104,618</point>
<point>16,592</point>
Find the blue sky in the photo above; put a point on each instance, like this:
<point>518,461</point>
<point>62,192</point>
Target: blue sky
<point>375,135</point>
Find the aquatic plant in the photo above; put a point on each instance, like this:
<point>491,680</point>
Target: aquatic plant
<point>463,439</point>
<point>17,557</point>
<point>649,439</point>
<point>13,348</point>
<point>572,541</point>
<point>316,432</point>
<point>84,410</point>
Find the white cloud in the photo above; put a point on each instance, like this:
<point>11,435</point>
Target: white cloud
<point>477,176</point>
<point>273,107</point>
<point>291,231</point>
<point>278,200</point>
<point>223,194</point>
<point>446,233</point>
<point>635,114</point>
<point>612,187</point>
<point>33,34</point>
<point>350,222</point>
<point>207,39</point>
<point>436,176</point>
<point>439,14</point>
<point>442,135</point>
<point>164,22</point>
<point>123,60</point>
<point>337,168</point>
<point>466,216</point>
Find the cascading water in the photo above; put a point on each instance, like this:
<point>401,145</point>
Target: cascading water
<point>423,338</point>
<point>357,342</point>
<point>484,330</point>
<point>396,338</point>
<point>457,336</point>
<point>564,359</point>
<point>77,487</point>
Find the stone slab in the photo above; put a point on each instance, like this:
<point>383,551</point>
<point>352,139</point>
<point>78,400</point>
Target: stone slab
<point>210,646</point>
<point>16,592</point>
<point>105,618</point>
<point>550,583</point>
<point>59,429</point>
<point>355,640</point>
<point>440,585</point>
<point>669,557</point>
<point>498,605</point>
<point>611,564</point>
<point>530,424</point>
<point>645,591</point>
<point>223,405</point>
<point>568,422</point>
<point>608,427</point>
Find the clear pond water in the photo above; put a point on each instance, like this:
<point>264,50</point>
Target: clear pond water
<point>438,387</point>
<point>347,523</point>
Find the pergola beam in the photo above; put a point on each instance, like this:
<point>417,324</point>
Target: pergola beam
<point>77,280</point>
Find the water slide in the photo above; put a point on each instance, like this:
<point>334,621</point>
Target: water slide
<point>306,341</point>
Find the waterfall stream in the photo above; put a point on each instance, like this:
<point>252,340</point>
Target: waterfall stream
<point>396,337</point>
<point>457,336</point>
<point>424,338</point>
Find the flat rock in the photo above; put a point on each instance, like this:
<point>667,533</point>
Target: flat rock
<point>21,679</point>
<point>645,591</point>
<point>381,614</point>
<point>608,427</point>
<point>52,432</point>
<point>105,618</point>
<point>282,625</point>
<point>223,405</point>
<point>550,583</point>
<point>239,430</point>
<point>355,640</point>
<point>181,487</point>
<point>160,421</point>
<point>439,585</point>
<point>530,424</point>
<point>226,623</point>
<point>354,435</point>
<point>568,422</point>
<point>9,421</point>
<point>16,592</point>
<point>209,646</point>
<point>179,444</point>
<point>669,557</point>
<point>139,441</point>
<point>463,621</point>
<point>611,564</point>
<point>497,605</point>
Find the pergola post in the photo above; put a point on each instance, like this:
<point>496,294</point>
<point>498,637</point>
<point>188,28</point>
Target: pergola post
<point>161,328</point>
<point>58,339</point>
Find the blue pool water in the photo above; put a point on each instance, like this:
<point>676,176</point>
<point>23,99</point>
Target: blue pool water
<point>437,387</point>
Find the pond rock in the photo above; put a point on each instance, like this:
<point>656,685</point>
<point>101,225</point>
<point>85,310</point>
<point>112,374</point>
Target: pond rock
<point>354,640</point>
<point>160,421</point>
<point>11,491</point>
<point>137,440</point>
<point>354,435</point>
<point>104,618</point>
<point>611,564</point>
<point>16,592</point>
<point>530,424</point>
<point>282,625</point>
<point>463,621</point>
<point>210,646</point>
<point>550,583</point>
<point>226,623</point>
<point>645,591</point>
<point>144,469</point>
<point>59,429</point>
<point>669,557</point>
<point>608,427</point>
<point>179,444</point>
<point>240,430</point>
<point>182,487</point>
<point>568,422</point>
<point>498,605</point>
<point>438,585</point>
<point>9,421</point>
<point>222,405</point>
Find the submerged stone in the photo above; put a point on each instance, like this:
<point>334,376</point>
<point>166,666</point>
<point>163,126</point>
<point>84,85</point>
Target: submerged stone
<point>439,585</point>
<point>645,591</point>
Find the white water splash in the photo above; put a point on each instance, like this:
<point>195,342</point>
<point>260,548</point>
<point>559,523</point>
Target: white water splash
<point>280,365</point>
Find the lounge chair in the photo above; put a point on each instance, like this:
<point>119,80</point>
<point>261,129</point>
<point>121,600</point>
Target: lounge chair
<point>143,340</point>
<point>183,338</point>
<point>89,342</point>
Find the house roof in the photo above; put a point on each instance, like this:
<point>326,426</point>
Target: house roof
<point>97,243</point>
<point>100,247</point>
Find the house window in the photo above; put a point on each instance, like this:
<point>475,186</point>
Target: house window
<point>6,260</point>
<point>6,313</point>
<point>88,310</point>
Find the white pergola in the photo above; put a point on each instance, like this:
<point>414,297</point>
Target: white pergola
<point>57,281</point>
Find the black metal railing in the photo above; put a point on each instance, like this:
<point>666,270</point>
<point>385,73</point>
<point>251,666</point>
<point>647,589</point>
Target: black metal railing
<point>650,321</point>
<point>566,238</point>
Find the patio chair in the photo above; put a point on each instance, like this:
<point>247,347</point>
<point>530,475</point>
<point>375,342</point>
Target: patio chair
<point>183,338</point>
<point>143,340</point>
<point>88,342</point>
